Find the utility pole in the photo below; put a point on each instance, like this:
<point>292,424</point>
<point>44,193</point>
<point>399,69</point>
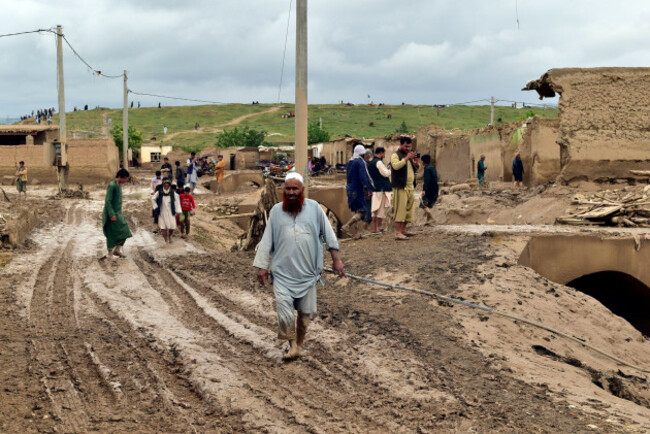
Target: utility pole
<point>125,126</point>
<point>492,111</point>
<point>62,163</point>
<point>301,90</point>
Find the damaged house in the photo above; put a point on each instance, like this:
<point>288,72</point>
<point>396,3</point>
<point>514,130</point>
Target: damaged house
<point>604,120</point>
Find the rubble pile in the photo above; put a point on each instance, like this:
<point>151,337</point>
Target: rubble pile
<point>627,207</point>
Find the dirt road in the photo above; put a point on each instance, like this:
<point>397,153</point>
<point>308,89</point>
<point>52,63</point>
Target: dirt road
<point>177,339</point>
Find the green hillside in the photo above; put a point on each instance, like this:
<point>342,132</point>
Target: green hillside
<point>338,120</point>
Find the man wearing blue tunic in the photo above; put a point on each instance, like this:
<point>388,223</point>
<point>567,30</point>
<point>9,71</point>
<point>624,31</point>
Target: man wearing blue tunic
<point>292,250</point>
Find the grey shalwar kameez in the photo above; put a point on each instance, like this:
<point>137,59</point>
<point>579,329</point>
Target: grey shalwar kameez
<point>293,247</point>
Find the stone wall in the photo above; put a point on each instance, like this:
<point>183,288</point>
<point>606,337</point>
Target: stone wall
<point>604,112</point>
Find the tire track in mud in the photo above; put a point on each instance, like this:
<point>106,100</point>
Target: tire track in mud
<point>262,371</point>
<point>344,379</point>
<point>97,372</point>
<point>303,400</point>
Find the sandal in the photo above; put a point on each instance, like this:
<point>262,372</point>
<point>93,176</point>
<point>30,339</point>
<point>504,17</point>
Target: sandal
<point>401,237</point>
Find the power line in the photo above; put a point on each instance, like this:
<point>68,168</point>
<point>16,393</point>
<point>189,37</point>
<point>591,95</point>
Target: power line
<point>174,97</point>
<point>31,31</point>
<point>469,102</point>
<point>284,53</point>
<point>95,71</point>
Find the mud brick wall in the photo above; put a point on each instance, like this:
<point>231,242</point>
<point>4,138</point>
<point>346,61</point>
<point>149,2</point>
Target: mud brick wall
<point>604,120</point>
<point>491,146</point>
<point>541,152</point>
<point>453,162</point>
<point>90,160</point>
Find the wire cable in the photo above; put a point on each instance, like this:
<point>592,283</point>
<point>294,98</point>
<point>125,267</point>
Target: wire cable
<point>95,71</point>
<point>284,53</point>
<point>31,31</point>
<point>582,342</point>
<point>174,97</point>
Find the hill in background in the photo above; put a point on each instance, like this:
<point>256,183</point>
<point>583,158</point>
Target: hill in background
<point>338,120</point>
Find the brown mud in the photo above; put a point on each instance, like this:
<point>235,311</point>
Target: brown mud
<point>183,339</point>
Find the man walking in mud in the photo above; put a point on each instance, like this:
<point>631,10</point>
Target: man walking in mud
<point>294,238</point>
<point>114,224</point>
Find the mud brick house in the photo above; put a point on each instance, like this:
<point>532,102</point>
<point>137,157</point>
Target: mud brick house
<point>90,160</point>
<point>604,120</point>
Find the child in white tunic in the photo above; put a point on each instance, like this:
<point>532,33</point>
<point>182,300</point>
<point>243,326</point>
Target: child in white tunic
<point>170,204</point>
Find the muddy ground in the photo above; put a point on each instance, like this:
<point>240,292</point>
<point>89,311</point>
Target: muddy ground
<point>183,339</point>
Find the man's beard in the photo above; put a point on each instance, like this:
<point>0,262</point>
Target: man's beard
<point>293,206</point>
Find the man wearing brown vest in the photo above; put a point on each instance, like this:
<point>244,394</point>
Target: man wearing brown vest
<point>404,163</point>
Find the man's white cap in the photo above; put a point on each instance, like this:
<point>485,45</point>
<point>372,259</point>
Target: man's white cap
<point>294,175</point>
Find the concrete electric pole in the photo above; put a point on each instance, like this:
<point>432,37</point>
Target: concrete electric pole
<point>301,90</point>
<point>62,163</point>
<point>125,126</point>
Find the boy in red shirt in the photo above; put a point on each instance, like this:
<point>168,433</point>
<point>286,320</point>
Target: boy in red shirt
<point>187,208</point>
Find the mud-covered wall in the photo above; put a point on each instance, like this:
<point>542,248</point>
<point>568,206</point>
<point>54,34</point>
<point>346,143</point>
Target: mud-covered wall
<point>542,160</point>
<point>491,146</point>
<point>604,112</point>
<point>90,160</point>
<point>453,162</point>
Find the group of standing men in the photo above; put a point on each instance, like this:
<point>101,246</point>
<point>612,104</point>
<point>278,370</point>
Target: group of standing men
<point>372,187</point>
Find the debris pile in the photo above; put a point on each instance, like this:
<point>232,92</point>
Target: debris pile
<point>79,193</point>
<point>626,207</point>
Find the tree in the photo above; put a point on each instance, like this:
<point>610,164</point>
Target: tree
<point>316,135</point>
<point>402,128</point>
<point>241,137</point>
<point>135,137</point>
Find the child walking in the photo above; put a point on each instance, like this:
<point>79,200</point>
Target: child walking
<point>187,207</point>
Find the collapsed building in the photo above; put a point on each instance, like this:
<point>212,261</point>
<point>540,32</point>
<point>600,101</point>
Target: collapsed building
<point>90,159</point>
<point>456,152</point>
<point>601,132</point>
<point>603,128</point>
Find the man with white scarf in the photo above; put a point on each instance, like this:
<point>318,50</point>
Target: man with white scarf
<point>168,202</point>
<point>291,256</point>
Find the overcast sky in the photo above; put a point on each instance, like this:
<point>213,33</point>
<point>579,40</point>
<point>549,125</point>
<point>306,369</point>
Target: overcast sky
<point>413,51</point>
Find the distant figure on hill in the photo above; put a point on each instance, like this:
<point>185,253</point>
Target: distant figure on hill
<point>159,106</point>
<point>480,171</point>
<point>138,104</point>
<point>518,170</point>
<point>164,129</point>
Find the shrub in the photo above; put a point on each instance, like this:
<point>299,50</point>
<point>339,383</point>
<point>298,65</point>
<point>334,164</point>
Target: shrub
<point>316,135</point>
<point>402,128</point>
<point>241,137</point>
<point>135,137</point>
